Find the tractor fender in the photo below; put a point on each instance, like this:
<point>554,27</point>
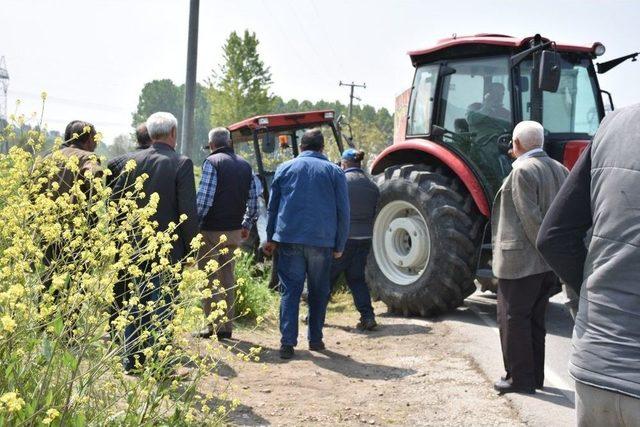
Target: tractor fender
<point>424,151</point>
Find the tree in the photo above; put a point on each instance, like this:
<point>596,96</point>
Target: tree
<point>121,144</point>
<point>240,88</point>
<point>164,95</point>
<point>158,95</point>
<point>372,129</point>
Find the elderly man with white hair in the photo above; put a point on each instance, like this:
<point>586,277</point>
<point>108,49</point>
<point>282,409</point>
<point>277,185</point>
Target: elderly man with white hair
<point>227,206</point>
<point>524,278</point>
<point>170,175</point>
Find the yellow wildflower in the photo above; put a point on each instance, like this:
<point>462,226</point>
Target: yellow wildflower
<point>12,401</point>
<point>52,414</point>
<point>8,324</point>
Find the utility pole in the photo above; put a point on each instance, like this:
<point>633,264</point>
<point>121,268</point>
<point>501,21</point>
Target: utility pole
<point>351,96</point>
<point>188,110</point>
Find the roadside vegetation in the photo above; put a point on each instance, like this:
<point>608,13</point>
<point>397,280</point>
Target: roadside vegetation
<point>61,341</point>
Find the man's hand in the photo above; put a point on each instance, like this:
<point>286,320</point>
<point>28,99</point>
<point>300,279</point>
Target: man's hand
<point>269,247</point>
<point>244,233</point>
<point>337,255</point>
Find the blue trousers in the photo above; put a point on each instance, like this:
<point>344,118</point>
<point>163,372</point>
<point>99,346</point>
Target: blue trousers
<point>295,263</point>
<point>352,263</point>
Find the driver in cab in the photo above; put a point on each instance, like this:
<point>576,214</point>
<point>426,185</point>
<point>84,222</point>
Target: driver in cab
<point>490,117</point>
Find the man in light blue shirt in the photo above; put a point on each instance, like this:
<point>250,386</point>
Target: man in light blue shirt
<point>309,224</point>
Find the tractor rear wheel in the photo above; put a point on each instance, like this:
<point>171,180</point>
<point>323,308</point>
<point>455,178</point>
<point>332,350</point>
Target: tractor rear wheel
<point>425,241</point>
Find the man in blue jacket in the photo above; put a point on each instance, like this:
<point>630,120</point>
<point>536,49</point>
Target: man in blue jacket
<point>309,225</point>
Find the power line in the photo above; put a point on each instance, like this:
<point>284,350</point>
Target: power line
<point>58,100</point>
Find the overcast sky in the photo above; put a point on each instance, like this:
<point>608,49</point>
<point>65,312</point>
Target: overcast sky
<point>94,56</point>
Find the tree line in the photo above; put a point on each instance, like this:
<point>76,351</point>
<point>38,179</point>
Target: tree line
<point>240,88</point>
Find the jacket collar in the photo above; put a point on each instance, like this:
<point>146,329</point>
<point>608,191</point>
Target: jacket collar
<point>227,150</point>
<point>160,145</point>
<point>311,153</point>
<point>536,152</point>
<point>353,170</point>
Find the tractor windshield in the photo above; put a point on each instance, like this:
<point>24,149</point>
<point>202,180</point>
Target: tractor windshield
<point>573,108</point>
<point>475,111</point>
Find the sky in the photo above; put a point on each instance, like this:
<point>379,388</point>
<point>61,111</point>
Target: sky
<point>93,57</point>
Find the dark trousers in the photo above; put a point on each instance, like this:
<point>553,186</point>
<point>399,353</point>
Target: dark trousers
<point>522,306</point>
<point>295,263</point>
<point>134,344</point>
<point>352,263</point>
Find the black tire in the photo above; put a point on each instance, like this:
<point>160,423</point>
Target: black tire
<point>454,226</point>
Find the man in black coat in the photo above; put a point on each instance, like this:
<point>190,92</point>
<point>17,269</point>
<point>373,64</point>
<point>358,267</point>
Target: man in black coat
<point>170,175</point>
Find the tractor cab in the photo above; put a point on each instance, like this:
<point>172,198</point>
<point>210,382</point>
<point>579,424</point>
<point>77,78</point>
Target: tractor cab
<point>267,141</point>
<point>469,92</point>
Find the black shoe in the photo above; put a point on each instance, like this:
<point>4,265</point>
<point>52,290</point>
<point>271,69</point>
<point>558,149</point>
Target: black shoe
<point>223,335</point>
<point>367,325</point>
<point>286,351</point>
<point>316,346</point>
<point>504,387</point>
<point>539,386</point>
<point>204,333</point>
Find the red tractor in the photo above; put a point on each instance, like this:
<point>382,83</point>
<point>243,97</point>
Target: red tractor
<point>453,129</point>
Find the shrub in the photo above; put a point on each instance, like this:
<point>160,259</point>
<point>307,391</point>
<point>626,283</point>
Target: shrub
<point>61,345</point>
<point>254,300</point>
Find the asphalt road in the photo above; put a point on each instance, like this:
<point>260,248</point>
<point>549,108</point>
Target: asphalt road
<point>476,329</point>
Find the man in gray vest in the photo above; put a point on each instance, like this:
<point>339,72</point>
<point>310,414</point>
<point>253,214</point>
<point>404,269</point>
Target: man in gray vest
<point>524,278</point>
<point>227,206</point>
<point>363,199</point>
<point>602,195</point>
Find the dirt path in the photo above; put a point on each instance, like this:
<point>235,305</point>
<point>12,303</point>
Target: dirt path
<point>405,373</point>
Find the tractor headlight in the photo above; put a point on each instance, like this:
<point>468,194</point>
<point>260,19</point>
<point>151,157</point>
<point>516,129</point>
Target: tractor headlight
<point>263,121</point>
<point>599,49</point>
<point>328,115</point>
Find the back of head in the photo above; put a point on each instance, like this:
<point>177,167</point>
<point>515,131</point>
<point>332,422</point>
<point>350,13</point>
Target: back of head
<point>352,158</point>
<point>160,124</point>
<point>78,127</point>
<point>142,136</point>
<point>312,140</point>
<point>219,137</point>
<point>530,134</point>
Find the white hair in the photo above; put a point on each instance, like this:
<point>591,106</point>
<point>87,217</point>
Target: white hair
<point>219,137</point>
<point>530,134</point>
<point>160,124</point>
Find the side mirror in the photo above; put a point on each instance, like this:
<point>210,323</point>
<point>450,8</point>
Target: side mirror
<point>268,143</point>
<point>549,73</point>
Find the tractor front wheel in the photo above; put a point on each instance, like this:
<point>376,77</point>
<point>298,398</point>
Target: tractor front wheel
<point>425,241</point>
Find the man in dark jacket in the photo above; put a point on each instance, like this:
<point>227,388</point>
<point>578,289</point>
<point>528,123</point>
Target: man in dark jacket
<point>308,223</point>
<point>601,195</point>
<point>116,165</point>
<point>170,175</point>
<point>363,199</point>
<point>524,278</point>
<point>227,209</point>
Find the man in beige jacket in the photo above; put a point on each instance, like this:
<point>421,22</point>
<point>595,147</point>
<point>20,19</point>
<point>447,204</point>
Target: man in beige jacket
<point>524,278</point>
